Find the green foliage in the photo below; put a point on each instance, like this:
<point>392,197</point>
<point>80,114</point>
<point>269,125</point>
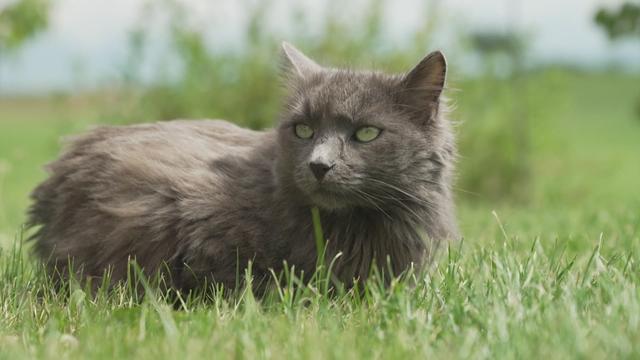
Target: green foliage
<point>494,162</point>
<point>244,85</point>
<point>21,20</point>
<point>488,42</point>
<point>502,168</point>
<point>620,23</point>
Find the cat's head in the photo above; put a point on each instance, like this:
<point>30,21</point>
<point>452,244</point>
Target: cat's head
<point>367,139</point>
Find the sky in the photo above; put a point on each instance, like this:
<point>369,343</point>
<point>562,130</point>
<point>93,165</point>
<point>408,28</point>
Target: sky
<point>85,44</point>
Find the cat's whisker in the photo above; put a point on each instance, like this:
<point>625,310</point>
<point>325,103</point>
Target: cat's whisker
<point>400,202</point>
<point>370,199</point>
<point>423,202</point>
<point>395,188</point>
<point>411,212</point>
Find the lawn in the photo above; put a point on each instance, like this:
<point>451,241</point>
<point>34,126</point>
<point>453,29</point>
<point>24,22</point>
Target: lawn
<point>555,276</point>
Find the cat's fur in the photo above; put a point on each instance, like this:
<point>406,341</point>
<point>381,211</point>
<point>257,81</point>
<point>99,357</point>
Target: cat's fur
<point>203,198</point>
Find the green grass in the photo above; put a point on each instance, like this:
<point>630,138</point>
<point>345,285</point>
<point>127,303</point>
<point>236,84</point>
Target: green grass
<point>557,276</point>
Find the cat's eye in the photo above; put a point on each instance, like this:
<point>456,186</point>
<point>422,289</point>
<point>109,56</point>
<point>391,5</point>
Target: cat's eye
<point>303,131</point>
<point>367,133</point>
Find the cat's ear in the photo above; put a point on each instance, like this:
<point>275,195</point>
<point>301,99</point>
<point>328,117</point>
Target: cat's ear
<point>423,85</point>
<point>297,63</point>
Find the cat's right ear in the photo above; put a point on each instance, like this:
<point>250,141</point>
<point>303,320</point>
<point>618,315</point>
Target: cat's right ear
<point>423,85</point>
<point>297,63</point>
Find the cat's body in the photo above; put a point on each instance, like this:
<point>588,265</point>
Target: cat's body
<point>200,199</point>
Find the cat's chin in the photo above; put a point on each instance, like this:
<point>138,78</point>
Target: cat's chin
<point>329,195</point>
<point>329,200</point>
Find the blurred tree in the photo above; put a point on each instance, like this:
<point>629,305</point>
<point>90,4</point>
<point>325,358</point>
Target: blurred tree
<point>490,41</point>
<point>501,51</point>
<point>621,23</point>
<point>21,20</point>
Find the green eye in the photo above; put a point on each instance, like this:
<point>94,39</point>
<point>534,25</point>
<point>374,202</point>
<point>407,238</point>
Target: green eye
<point>304,131</point>
<point>367,133</point>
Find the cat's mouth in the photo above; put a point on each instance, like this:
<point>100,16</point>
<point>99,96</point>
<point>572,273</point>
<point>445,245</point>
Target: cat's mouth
<point>331,197</point>
<point>328,193</point>
<point>329,201</point>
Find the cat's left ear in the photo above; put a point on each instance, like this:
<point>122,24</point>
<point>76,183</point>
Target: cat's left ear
<point>297,63</point>
<point>423,85</point>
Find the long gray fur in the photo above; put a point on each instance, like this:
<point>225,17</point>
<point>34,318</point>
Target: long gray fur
<point>200,199</point>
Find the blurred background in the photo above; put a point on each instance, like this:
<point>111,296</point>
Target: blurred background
<point>546,93</point>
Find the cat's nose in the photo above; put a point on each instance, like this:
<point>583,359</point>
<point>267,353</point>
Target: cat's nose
<point>319,169</point>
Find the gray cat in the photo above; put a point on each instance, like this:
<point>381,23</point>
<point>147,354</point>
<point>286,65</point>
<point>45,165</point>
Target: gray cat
<point>201,199</point>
